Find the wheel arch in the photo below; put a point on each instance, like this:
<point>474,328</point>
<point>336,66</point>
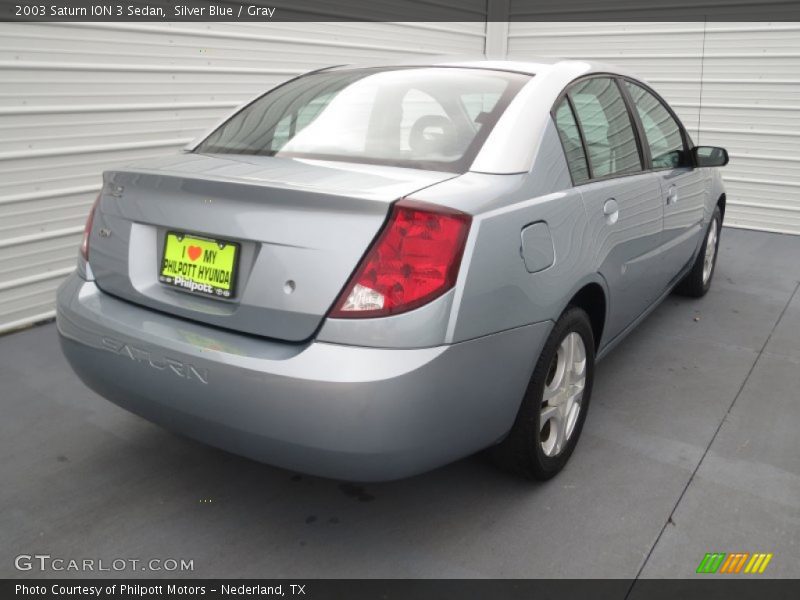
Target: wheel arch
<point>721,203</point>
<point>593,300</point>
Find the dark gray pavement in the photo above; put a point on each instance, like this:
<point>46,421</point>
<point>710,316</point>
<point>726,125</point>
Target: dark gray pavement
<point>692,445</point>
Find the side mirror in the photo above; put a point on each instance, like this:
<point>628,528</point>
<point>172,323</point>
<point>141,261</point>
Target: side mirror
<point>710,156</point>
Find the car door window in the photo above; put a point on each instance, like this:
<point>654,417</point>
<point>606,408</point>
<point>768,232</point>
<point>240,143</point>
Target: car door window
<point>662,131</point>
<point>607,127</point>
<point>571,141</point>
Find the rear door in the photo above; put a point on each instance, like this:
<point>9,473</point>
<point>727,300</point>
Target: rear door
<point>683,188</point>
<point>622,201</point>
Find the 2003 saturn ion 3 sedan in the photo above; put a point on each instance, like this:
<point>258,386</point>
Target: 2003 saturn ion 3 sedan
<point>366,273</point>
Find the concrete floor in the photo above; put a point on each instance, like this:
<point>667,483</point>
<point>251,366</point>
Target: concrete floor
<point>691,446</point>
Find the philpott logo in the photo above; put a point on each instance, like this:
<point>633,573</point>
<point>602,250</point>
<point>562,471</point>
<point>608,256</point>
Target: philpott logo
<point>735,562</point>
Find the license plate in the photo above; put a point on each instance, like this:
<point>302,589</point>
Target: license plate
<point>199,265</point>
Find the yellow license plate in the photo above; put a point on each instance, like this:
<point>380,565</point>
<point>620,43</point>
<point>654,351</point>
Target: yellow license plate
<point>199,265</point>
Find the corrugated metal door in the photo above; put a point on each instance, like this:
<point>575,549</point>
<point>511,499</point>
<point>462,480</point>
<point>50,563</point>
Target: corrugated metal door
<point>77,98</point>
<point>735,85</point>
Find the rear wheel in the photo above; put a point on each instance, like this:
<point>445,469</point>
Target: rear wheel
<point>698,281</point>
<point>552,413</point>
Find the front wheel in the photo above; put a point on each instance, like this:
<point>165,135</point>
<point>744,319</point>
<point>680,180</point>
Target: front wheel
<point>698,281</point>
<point>552,413</point>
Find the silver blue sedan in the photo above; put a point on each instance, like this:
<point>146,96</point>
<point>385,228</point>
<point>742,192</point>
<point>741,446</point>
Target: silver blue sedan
<point>369,272</point>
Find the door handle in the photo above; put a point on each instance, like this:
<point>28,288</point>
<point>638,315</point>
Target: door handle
<point>672,195</point>
<point>611,211</point>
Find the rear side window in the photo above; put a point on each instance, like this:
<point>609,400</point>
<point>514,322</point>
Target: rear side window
<point>662,131</point>
<point>607,127</point>
<point>571,142</point>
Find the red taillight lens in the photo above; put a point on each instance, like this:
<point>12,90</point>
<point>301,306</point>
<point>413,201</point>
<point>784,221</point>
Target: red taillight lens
<point>414,260</point>
<point>87,230</point>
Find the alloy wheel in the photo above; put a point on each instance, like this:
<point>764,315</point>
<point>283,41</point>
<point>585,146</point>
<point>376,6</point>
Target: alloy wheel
<point>563,394</point>
<point>711,251</point>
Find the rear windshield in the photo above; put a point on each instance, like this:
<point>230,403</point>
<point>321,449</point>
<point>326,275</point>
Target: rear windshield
<point>425,118</point>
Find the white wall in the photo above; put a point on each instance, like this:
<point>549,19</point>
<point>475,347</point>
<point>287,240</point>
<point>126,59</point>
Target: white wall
<point>79,98</point>
<point>735,85</point>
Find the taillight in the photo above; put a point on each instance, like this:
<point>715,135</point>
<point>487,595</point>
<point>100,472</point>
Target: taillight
<point>87,230</point>
<point>414,260</point>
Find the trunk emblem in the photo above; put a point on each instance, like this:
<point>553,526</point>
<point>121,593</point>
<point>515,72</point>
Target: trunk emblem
<point>159,363</point>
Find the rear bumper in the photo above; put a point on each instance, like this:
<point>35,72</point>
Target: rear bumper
<point>353,413</point>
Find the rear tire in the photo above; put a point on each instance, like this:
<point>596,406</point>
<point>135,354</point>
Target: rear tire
<point>551,417</point>
<point>698,281</point>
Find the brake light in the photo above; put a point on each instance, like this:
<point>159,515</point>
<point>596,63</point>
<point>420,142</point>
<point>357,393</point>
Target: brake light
<point>87,230</point>
<point>414,260</point>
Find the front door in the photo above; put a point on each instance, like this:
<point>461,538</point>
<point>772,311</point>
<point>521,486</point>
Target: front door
<point>683,188</point>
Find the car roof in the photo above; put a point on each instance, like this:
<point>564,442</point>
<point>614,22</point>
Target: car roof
<point>535,66</point>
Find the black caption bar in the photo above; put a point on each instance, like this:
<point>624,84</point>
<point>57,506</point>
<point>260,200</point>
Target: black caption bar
<point>398,10</point>
<point>406,589</point>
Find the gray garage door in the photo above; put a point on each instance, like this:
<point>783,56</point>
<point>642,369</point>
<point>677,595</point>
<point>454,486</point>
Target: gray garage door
<point>78,98</point>
<point>733,84</point>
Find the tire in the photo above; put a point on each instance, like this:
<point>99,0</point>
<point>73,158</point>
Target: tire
<point>698,281</point>
<point>531,450</point>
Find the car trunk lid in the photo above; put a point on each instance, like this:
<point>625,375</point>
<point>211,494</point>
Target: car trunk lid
<point>301,228</point>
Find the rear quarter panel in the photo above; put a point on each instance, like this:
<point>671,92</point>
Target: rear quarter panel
<point>495,291</point>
